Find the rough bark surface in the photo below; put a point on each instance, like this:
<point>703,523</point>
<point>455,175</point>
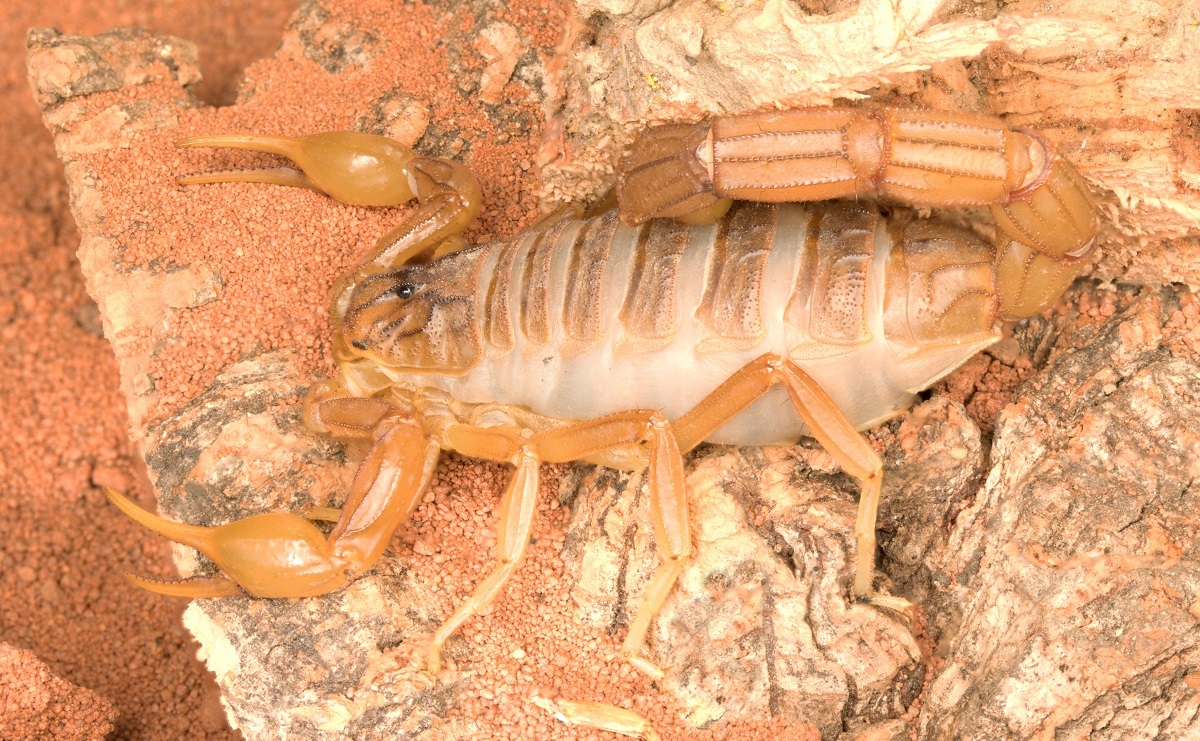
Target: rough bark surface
<point>1052,560</point>
<point>318,664</point>
<point>1075,569</point>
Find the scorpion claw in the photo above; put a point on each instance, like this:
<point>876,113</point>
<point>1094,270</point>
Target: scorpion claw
<point>354,168</point>
<point>270,175</point>
<point>192,588</point>
<point>190,535</point>
<point>269,555</point>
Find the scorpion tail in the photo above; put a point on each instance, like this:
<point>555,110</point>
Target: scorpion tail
<point>1046,233</point>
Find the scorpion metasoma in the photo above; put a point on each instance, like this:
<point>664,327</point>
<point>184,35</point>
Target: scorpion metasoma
<point>696,311</point>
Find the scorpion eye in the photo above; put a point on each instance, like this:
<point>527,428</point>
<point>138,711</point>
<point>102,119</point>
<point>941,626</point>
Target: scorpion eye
<point>404,291</point>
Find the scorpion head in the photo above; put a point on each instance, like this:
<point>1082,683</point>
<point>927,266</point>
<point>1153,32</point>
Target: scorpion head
<point>418,318</point>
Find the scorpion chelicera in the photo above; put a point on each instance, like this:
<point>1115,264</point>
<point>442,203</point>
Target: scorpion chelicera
<point>693,312</point>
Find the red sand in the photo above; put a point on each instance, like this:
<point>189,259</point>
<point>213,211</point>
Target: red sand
<point>62,547</point>
<point>37,704</point>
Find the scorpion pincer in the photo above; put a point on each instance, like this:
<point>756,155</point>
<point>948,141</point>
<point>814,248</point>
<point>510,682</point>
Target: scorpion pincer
<point>713,306</point>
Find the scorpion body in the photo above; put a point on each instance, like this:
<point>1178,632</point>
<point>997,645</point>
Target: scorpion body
<point>627,340</point>
<point>846,293</point>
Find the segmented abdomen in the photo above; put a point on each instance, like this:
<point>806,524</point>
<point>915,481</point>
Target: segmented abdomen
<point>592,317</point>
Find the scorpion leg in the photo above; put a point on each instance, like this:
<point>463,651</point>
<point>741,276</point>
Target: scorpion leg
<point>285,555</point>
<point>599,715</point>
<point>517,506</point>
<point>826,423</point>
<point>519,503</point>
<point>668,501</point>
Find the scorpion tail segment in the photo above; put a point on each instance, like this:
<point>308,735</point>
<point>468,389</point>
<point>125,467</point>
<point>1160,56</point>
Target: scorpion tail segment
<point>1029,281</point>
<point>1052,225</point>
<point>663,174</point>
<point>1054,213</point>
<point>354,168</point>
<point>194,588</point>
<point>915,157</point>
<point>270,555</point>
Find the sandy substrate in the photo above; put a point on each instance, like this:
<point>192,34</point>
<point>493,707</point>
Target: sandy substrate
<point>64,427</point>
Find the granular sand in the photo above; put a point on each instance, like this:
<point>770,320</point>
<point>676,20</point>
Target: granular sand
<point>37,705</point>
<point>65,429</point>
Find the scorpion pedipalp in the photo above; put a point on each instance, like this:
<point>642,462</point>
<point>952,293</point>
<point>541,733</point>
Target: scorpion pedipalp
<point>279,554</point>
<point>358,169</point>
<point>364,170</point>
<point>273,554</point>
<point>193,587</point>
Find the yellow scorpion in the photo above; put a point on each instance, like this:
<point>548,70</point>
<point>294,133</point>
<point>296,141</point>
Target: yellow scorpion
<point>710,306</point>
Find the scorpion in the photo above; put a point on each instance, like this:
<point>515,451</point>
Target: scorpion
<point>711,304</point>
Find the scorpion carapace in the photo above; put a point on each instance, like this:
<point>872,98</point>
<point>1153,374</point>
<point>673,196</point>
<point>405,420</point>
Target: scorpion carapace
<point>419,318</point>
<point>629,339</point>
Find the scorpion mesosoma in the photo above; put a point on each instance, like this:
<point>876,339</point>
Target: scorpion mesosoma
<point>627,340</point>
